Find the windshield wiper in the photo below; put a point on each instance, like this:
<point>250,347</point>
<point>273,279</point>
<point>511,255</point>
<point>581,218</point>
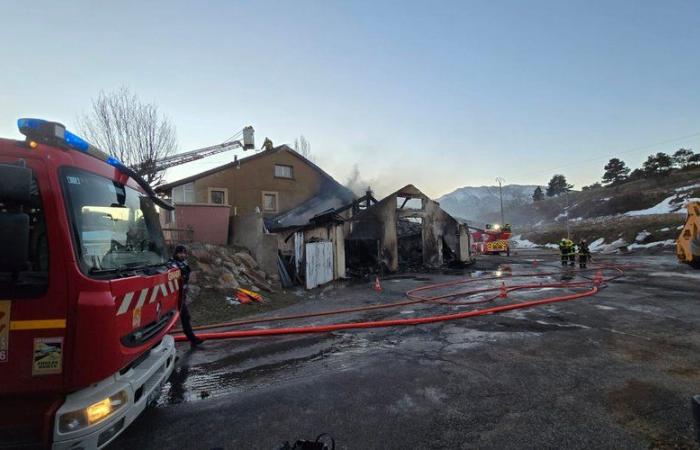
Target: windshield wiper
<point>139,266</point>
<point>97,271</point>
<point>131,267</point>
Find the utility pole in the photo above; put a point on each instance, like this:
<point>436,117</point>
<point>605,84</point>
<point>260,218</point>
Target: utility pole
<point>500,193</point>
<point>568,231</point>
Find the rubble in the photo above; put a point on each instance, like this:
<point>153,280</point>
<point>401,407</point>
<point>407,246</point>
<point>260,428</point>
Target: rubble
<point>226,269</point>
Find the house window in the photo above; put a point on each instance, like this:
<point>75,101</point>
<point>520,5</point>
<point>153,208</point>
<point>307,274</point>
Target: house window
<point>269,201</point>
<point>218,196</point>
<point>183,193</point>
<point>282,171</point>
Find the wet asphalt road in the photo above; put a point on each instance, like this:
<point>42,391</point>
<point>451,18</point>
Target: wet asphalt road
<point>612,371</point>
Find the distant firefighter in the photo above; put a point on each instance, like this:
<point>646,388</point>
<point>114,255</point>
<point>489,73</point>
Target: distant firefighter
<point>584,254</point>
<point>568,252</point>
<point>267,145</point>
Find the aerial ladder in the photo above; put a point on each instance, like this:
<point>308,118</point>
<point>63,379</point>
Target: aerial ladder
<point>246,143</point>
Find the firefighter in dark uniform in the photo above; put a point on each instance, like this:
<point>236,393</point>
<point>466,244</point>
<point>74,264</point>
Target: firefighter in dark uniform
<point>179,260</point>
<point>584,254</point>
<point>568,252</point>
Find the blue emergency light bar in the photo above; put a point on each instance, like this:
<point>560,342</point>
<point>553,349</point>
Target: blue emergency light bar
<point>44,130</point>
<point>56,133</point>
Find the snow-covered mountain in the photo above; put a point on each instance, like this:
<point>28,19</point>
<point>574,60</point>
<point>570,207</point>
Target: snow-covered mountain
<point>481,204</point>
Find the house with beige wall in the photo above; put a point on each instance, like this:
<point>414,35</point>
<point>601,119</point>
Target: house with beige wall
<point>272,182</point>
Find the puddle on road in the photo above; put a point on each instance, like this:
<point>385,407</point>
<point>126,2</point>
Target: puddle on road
<point>263,365</point>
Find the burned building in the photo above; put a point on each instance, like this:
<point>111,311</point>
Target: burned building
<point>405,230</point>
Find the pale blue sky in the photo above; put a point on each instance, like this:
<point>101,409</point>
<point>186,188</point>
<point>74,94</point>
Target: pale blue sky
<point>439,94</point>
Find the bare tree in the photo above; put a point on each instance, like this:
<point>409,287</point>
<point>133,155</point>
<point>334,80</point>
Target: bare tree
<point>303,147</point>
<point>133,131</point>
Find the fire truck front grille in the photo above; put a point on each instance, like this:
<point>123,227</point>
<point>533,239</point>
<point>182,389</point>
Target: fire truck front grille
<point>139,337</point>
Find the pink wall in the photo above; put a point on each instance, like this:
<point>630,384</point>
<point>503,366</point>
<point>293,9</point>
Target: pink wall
<point>209,222</point>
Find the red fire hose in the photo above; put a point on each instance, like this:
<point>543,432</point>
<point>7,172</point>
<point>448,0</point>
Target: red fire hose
<point>412,294</point>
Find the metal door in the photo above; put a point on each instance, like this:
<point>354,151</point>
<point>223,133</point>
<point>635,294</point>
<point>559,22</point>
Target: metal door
<point>319,263</point>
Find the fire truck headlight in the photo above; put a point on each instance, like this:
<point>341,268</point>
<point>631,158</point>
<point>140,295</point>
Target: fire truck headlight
<point>95,413</point>
<point>497,227</point>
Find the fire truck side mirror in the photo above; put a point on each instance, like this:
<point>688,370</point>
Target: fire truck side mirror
<point>15,191</point>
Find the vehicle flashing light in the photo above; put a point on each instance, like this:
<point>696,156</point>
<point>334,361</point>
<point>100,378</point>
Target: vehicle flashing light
<point>75,141</point>
<point>52,131</point>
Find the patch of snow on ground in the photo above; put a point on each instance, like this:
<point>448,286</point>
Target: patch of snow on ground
<point>518,242</point>
<point>596,245</point>
<point>642,235</point>
<point>664,229</point>
<point>614,246</point>
<point>666,243</point>
<point>664,207</point>
<point>605,199</point>
<point>687,188</point>
<point>555,246</point>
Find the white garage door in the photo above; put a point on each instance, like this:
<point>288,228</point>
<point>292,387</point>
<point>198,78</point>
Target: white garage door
<point>319,263</point>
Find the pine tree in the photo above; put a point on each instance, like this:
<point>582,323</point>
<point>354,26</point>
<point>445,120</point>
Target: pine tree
<point>538,195</point>
<point>683,158</point>
<point>659,164</point>
<point>615,172</point>
<point>558,185</point>
<point>694,161</point>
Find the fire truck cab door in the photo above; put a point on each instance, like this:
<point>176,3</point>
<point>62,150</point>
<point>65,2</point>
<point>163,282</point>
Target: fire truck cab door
<point>33,300</point>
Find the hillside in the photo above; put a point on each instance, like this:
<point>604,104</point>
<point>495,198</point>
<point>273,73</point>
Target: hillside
<point>482,205</point>
<point>644,213</point>
<point>660,195</point>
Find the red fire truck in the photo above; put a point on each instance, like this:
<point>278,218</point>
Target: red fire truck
<point>494,240</point>
<point>86,299</point>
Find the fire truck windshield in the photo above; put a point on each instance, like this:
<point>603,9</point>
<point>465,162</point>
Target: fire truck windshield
<point>115,227</point>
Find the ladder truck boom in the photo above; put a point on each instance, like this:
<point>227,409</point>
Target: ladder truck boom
<point>247,143</point>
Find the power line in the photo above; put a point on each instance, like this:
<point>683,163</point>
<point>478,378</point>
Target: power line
<point>624,152</point>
